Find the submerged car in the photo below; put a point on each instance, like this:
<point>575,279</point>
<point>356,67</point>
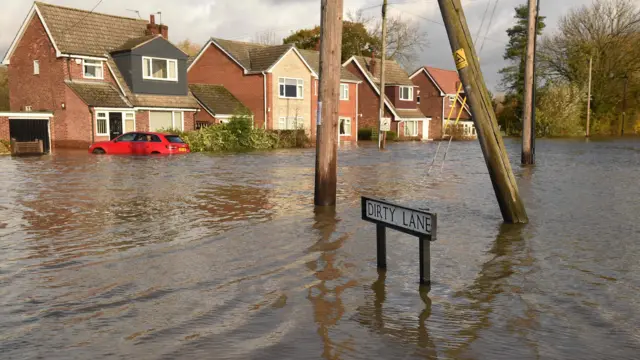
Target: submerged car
<point>142,143</point>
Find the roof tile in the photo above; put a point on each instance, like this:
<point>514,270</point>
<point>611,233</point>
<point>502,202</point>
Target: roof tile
<point>447,80</point>
<point>217,99</point>
<point>98,94</point>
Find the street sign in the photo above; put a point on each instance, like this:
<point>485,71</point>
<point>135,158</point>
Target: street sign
<point>385,125</point>
<point>415,222</point>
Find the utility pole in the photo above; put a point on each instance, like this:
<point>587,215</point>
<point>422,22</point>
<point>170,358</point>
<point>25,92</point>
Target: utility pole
<point>529,87</point>
<point>624,103</point>
<point>484,117</point>
<point>589,97</point>
<point>383,56</point>
<point>327,116</point>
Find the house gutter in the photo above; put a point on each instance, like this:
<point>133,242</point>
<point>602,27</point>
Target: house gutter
<point>264,78</point>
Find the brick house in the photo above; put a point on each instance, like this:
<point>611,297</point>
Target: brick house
<point>401,105</point>
<point>438,89</point>
<point>84,77</point>
<point>276,83</point>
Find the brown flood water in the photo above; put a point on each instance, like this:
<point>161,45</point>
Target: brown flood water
<point>223,257</point>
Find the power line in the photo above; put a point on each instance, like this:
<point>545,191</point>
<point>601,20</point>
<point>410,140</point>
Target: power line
<point>82,19</point>
<point>493,13</point>
<point>486,10</point>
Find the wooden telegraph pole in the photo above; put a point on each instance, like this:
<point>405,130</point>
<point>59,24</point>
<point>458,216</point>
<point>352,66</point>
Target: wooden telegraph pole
<point>327,116</point>
<point>493,149</point>
<point>589,98</point>
<point>383,57</point>
<point>529,87</point>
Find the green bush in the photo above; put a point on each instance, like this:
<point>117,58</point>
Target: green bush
<point>238,135</point>
<point>5,147</point>
<point>392,136</point>
<point>366,134</point>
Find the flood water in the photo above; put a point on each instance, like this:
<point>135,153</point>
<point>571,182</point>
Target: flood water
<point>223,257</point>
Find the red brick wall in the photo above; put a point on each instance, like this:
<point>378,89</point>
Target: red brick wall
<point>204,116</point>
<point>348,109</point>
<point>368,101</point>
<point>404,104</point>
<point>142,120</point>
<point>74,71</point>
<point>214,67</point>
<point>189,120</point>
<point>73,126</point>
<point>4,128</point>
<point>430,104</point>
<point>43,92</point>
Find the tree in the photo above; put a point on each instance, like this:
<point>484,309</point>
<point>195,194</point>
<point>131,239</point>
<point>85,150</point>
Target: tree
<point>267,37</point>
<point>362,36</point>
<point>608,31</point>
<point>4,89</point>
<point>189,47</point>
<point>515,52</point>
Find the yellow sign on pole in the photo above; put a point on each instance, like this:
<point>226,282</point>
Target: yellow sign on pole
<point>461,59</point>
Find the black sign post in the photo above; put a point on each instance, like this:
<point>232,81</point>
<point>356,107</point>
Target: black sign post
<point>416,222</point>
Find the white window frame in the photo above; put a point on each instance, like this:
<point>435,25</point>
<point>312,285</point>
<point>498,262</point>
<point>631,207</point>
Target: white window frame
<point>299,88</point>
<point>92,63</point>
<point>36,67</point>
<point>410,98</point>
<point>151,77</point>
<point>417,132</point>
<point>299,121</point>
<point>347,119</point>
<point>344,92</point>
<point>106,120</point>
<point>108,127</point>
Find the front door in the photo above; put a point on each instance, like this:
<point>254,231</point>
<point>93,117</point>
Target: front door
<point>115,125</point>
<point>425,128</point>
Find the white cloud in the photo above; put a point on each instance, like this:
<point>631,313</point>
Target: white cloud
<point>242,19</point>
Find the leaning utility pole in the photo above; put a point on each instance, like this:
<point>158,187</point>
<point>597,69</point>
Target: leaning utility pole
<point>493,149</point>
<point>383,57</point>
<point>529,87</point>
<point>589,97</point>
<point>624,103</point>
<point>327,116</point>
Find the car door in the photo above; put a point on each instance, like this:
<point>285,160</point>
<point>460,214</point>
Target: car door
<point>140,145</point>
<point>122,144</point>
<point>156,145</point>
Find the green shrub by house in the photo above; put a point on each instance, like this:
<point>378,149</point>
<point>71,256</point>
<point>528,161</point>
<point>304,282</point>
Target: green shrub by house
<point>5,147</point>
<point>238,135</point>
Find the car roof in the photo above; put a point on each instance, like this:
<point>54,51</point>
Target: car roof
<point>150,133</point>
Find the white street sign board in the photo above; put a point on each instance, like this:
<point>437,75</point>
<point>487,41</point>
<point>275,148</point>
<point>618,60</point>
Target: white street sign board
<point>385,125</point>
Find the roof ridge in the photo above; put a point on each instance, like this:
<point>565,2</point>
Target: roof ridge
<point>437,68</point>
<point>240,42</point>
<point>37,3</point>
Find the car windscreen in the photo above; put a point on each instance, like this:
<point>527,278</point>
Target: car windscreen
<point>174,139</point>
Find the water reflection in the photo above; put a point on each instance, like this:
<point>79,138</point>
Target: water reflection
<point>326,294</point>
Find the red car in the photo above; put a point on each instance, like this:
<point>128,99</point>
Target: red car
<point>141,143</point>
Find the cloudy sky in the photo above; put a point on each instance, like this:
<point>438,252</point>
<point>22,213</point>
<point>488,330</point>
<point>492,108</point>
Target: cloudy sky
<point>243,19</point>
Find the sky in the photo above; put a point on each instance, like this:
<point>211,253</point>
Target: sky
<point>198,20</point>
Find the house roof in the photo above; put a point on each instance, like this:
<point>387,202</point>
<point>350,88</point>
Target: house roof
<point>164,101</point>
<point>263,58</point>
<point>217,99</point>
<point>410,113</point>
<point>240,51</point>
<point>98,94</point>
<point>313,59</point>
<point>135,43</point>
<point>82,32</point>
<point>394,73</point>
<point>447,80</point>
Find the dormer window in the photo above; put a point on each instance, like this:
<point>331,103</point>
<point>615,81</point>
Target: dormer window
<point>406,93</point>
<point>92,69</point>
<point>159,69</point>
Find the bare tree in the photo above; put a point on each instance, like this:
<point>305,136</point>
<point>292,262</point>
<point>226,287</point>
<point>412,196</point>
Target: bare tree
<point>266,37</point>
<point>189,47</point>
<point>405,38</point>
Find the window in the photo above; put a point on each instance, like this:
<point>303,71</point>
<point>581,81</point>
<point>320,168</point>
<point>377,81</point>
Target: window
<point>290,123</point>
<point>129,122</point>
<point>174,139</point>
<point>418,99</point>
<point>344,92</point>
<point>163,120</point>
<point>406,93</point>
<point>291,88</point>
<point>127,137</point>
<point>147,138</point>
<point>36,67</point>
<point>92,69</point>
<point>101,124</point>
<point>410,128</point>
<point>159,69</point>
<point>345,127</point>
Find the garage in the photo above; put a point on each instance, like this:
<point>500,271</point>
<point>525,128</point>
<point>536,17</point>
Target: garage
<point>29,127</point>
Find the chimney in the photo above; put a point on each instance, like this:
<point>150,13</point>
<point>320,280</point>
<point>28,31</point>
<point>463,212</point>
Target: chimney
<point>157,29</point>
<point>373,66</point>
